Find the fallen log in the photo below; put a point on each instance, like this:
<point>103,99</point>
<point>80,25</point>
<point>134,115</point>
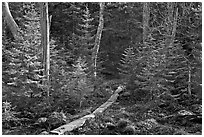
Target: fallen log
<point>80,122</point>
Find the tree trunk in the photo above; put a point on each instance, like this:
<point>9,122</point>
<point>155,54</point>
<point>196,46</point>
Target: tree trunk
<point>44,21</point>
<point>189,79</point>
<point>189,75</point>
<point>169,19</point>
<point>171,23</point>
<point>10,21</point>
<point>98,37</point>
<point>174,25</point>
<point>146,16</point>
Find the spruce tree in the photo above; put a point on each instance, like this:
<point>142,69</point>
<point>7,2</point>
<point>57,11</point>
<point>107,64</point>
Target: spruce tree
<point>126,63</point>
<point>85,34</point>
<point>23,56</point>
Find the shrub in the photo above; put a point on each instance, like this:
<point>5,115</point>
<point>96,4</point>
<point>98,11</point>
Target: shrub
<point>9,118</point>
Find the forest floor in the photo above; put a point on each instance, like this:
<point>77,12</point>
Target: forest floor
<point>125,117</point>
<point>130,116</point>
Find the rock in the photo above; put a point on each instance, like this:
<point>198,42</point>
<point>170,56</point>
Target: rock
<point>110,126</point>
<point>129,130</point>
<point>44,133</point>
<point>122,123</point>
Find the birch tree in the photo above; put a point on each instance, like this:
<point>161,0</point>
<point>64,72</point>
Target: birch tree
<point>10,21</point>
<point>98,37</point>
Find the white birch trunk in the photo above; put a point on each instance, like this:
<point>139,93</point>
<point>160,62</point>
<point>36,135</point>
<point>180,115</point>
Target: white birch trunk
<point>98,37</point>
<point>10,21</point>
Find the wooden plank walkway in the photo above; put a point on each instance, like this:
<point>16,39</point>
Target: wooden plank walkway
<point>79,122</point>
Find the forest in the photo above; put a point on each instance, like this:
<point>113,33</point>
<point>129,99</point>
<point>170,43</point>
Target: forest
<point>101,68</point>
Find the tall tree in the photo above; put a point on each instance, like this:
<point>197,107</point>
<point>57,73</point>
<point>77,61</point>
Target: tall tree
<point>85,34</point>
<point>184,64</point>
<point>10,21</point>
<point>98,36</point>
<point>44,21</point>
<point>146,15</point>
<point>171,23</point>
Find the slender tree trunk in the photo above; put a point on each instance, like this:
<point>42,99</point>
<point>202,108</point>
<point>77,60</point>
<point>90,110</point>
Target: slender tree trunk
<point>189,75</point>
<point>174,24</point>
<point>169,19</point>
<point>98,37</point>
<point>146,16</point>
<point>10,21</point>
<point>173,34</point>
<point>189,79</point>
<point>44,21</point>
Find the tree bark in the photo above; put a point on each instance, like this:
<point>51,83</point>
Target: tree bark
<point>146,16</point>
<point>170,27</point>
<point>173,34</point>
<point>98,37</point>
<point>10,21</point>
<point>169,19</point>
<point>44,21</point>
<point>189,79</point>
<point>171,23</point>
